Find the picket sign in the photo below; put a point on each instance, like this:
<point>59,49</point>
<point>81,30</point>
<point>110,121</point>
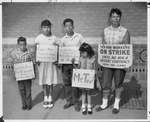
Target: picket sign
<point>83,78</point>
<point>46,53</point>
<point>24,71</point>
<point>115,56</point>
<point>67,53</point>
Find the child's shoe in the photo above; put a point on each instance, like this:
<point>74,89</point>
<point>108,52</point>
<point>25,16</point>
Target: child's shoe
<point>84,111</point>
<point>29,108</point>
<point>50,103</point>
<point>24,107</point>
<point>45,104</point>
<point>89,109</point>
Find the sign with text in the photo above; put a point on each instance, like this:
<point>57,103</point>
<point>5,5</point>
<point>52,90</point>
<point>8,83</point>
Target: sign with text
<point>67,53</point>
<point>46,53</point>
<point>83,78</point>
<point>115,56</point>
<point>24,71</point>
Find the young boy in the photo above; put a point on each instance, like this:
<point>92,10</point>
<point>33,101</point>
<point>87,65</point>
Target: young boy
<point>22,55</point>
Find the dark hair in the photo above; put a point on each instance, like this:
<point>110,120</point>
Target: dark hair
<point>46,23</point>
<point>68,20</point>
<point>87,48</point>
<point>21,39</point>
<point>115,10</point>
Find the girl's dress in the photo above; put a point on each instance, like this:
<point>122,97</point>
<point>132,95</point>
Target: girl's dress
<point>48,72</point>
<point>88,63</point>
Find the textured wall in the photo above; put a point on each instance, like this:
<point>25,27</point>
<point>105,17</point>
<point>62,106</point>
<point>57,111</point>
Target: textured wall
<point>90,19</point>
<point>23,19</point>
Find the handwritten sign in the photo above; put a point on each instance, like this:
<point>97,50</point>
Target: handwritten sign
<point>83,78</point>
<point>67,53</point>
<point>115,56</point>
<point>24,71</point>
<point>46,53</point>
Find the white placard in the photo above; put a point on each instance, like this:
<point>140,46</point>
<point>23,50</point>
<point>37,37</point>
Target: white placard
<point>46,53</point>
<point>24,71</point>
<point>83,78</point>
<point>115,56</point>
<point>67,53</point>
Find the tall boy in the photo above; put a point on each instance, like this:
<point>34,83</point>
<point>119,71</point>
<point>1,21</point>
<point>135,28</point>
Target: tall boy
<point>70,39</point>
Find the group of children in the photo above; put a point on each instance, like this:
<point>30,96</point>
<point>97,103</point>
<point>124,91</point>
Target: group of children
<point>48,70</point>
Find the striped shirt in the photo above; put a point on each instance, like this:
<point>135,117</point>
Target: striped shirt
<point>21,57</point>
<point>114,35</point>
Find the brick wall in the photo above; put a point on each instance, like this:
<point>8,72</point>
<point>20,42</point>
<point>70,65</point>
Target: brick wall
<point>23,19</point>
<point>90,18</point>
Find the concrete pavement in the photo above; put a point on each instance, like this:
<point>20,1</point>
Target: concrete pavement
<point>12,105</point>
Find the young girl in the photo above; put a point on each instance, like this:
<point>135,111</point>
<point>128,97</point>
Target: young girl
<point>87,61</point>
<point>47,70</point>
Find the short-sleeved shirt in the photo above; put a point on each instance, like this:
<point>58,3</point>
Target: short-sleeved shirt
<point>75,40</point>
<point>45,40</point>
<point>21,57</point>
<point>114,35</point>
<point>87,63</point>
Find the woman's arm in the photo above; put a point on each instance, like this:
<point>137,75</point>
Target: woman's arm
<point>127,37</point>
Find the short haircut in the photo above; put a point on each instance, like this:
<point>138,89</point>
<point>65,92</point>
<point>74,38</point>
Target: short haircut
<point>68,20</point>
<point>115,10</point>
<point>21,39</point>
<point>85,47</point>
<point>46,23</point>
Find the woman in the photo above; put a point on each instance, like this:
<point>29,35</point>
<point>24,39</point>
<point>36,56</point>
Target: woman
<point>114,34</point>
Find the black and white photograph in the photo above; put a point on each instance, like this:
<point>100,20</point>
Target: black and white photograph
<point>74,60</point>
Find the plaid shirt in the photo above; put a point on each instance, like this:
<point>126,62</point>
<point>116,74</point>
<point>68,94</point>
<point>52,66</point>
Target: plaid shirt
<point>114,35</point>
<point>21,57</point>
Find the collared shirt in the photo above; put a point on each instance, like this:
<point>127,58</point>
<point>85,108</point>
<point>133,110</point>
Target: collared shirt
<point>21,57</point>
<point>114,35</point>
<point>75,40</point>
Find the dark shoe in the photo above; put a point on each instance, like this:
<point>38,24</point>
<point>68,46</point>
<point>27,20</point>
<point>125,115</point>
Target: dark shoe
<point>77,108</point>
<point>115,111</point>
<point>84,112</point>
<point>67,105</point>
<point>24,107</point>
<point>90,112</point>
<point>100,108</point>
<point>89,109</point>
<point>29,108</point>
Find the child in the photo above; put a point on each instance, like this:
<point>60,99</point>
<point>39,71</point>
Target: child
<point>87,61</point>
<point>47,70</point>
<point>20,56</point>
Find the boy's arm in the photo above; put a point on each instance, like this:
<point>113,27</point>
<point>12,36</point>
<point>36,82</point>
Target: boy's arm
<point>74,65</point>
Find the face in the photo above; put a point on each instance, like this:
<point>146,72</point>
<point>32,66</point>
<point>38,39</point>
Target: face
<point>22,46</point>
<point>69,27</point>
<point>84,54</point>
<point>46,30</point>
<point>115,19</point>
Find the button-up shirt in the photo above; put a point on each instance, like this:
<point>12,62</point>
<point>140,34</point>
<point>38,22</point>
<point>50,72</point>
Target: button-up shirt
<point>114,35</point>
<point>75,40</point>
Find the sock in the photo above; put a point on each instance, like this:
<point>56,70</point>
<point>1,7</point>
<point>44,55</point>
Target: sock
<point>45,98</point>
<point>50,98</point>
<point>104,103</point>
<point>116,104</point>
